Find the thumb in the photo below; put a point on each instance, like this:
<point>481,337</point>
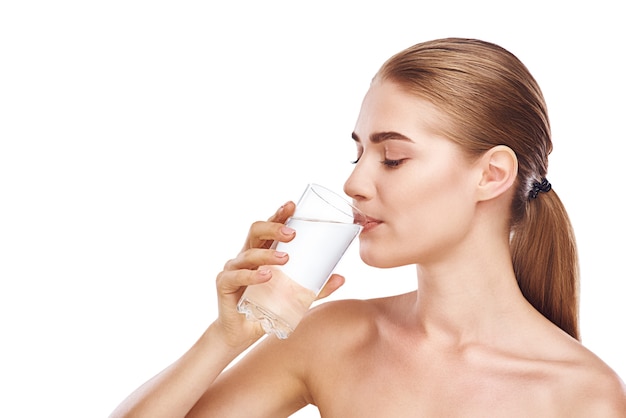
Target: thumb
<point>334,282</point>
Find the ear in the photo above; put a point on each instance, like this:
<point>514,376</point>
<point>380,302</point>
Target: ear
<point>498,172</point>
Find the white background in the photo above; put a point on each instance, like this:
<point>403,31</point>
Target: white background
<point>139,139</point>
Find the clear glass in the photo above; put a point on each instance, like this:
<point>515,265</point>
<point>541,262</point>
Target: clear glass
<point>325,224</point>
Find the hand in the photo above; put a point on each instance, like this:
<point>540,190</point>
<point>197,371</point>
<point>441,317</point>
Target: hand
<point>243,271</point>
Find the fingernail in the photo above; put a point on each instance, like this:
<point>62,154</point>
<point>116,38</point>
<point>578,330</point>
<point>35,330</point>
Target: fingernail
<point>287,231</point>
<point>282,208</point>
<point>280,254</point>
<point>265,272</point>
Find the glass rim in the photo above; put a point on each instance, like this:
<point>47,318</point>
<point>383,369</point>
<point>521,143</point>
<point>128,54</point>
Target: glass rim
<point>355,214</point>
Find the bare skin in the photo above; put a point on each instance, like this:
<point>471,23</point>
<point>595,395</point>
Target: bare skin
<point>380,365</point>
<point>467,344</point>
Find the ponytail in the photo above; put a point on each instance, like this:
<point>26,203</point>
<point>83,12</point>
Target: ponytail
<point>545,261</point>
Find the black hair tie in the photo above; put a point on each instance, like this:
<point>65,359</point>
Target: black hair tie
<point>544,186</point>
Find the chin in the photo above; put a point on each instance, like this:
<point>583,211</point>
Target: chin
<point>378,259</point>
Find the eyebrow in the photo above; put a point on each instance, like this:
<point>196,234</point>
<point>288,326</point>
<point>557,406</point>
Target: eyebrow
<point>378,137</point>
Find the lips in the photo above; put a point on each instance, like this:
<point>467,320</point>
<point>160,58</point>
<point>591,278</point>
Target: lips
<point>365,221</point>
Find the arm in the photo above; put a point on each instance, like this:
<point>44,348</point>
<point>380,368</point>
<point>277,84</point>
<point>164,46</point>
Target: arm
<point>267,382</point>
<point>176,390</point>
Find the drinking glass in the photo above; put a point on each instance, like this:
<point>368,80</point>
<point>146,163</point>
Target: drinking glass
<point>325,225</point>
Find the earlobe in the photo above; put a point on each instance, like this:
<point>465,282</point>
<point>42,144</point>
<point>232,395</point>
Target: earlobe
<point>499,171</point>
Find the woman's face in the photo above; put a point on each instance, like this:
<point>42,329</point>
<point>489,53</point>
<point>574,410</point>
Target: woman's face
<point>416,186</point>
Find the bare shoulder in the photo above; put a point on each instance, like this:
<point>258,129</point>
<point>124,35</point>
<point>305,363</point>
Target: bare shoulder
<point>607,394</point>
<point>319,346</point>
<point>594,389</point>
<point>340,320</point>
<point>339,327</point>
<point>601,390</point>
<point>330,329</point>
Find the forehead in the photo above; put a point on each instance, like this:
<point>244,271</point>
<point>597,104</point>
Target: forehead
<point>387,106</point>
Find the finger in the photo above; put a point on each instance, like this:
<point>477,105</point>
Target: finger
<point>263,234</point>
<point>255,257</point>
<point>283,213</point>
<point>334,283</point>
<point>229,282</point>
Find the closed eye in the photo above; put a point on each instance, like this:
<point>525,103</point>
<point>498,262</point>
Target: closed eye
<point>393,163</point>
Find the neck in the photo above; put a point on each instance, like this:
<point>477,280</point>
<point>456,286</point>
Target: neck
<point>470,298</point>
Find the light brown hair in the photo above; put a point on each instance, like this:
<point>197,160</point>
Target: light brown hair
<point>491,99</point>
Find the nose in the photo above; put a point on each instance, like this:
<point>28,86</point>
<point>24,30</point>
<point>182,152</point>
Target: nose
<point>358,186</point>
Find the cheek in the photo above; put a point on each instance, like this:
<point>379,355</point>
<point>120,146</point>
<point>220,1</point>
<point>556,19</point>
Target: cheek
<point>443,202</point>
<point>432,216</point>
<point>448,216</point>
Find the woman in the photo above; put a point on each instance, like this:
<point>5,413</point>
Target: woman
<point>452,145</point>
